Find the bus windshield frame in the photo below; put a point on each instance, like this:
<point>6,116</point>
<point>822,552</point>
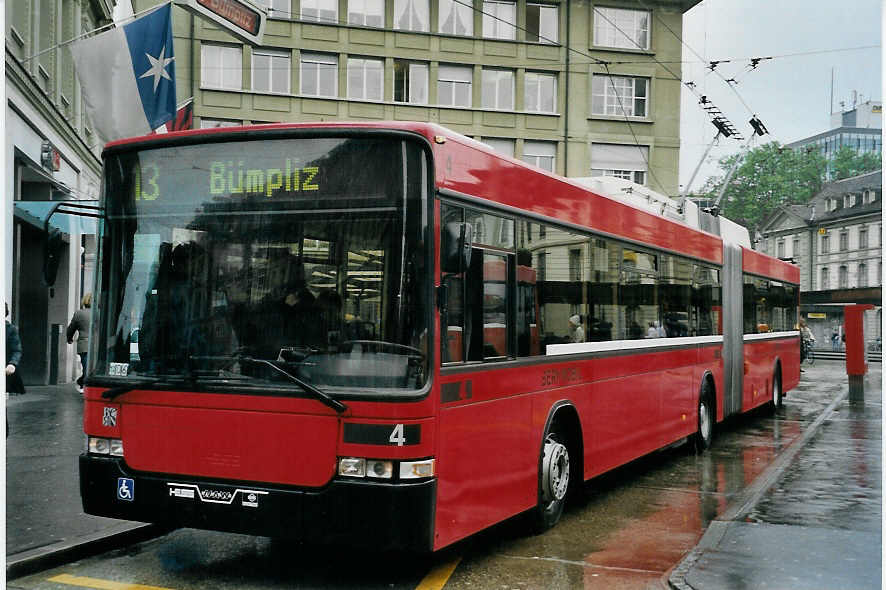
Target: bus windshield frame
<point>227,261</point>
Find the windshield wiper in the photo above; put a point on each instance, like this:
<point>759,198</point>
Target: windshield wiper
<point>121,389</point>
<point>320,395</point>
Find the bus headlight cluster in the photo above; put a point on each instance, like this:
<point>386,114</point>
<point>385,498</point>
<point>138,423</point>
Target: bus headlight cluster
<point>105,446</point>
<point>381,469</point>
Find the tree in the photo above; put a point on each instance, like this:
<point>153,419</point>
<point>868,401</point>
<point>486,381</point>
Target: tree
<point>768,177</point>
<point>848,163</point>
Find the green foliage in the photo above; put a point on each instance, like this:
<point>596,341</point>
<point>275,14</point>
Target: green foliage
<point>768,177</point>
<point>848,163</point>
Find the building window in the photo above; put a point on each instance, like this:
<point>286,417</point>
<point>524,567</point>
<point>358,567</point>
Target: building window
<point>825,244</point>
<point>795,248</point>
<point>221,67</point>
<point>456,18</point>
<point>542,23</point>
<point>862,275</point>
<point>410,82</point>
<point>620,96</point>
<point>825,279</point>
<point>542,266</point>
<point>622,161</point>
<point>862,238</point>
<point>844,277</point>
<point>365,78</point>
<point>213,123</point>
<point>324,11</point>
<point>498,89</point>
<point>502,146</point>
<point>276,8</point>
<point>844,241</point>
<point>412,15</point>
<point>454,86</point>
<point>620,27</point>
<point>319,74</point>
<point>499,19</point>
<point>540,153</point>
<point>270,71</point>
<point>541,92</point>
<point>366,13</point>
<point>574,264</point>
<point>780,248</point>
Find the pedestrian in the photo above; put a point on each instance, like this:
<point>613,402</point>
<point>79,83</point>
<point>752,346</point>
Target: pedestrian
<point>14,383</point>
<point>80,325</point>
<point>835,341</point>
<point>577,333</point>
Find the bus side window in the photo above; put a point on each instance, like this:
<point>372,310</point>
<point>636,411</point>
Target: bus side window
<point>496,335</point>
<point>473,308</point>
<point>452,333</point>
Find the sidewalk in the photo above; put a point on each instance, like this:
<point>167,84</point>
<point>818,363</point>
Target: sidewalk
<point>45,523</point>
<point>811,520</point>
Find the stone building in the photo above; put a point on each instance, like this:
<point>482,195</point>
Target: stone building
<point>836,239</point>
<point>51,155</point>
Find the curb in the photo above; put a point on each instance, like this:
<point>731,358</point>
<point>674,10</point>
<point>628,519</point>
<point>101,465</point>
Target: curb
<point>42,558</point>
<point>742,505</point>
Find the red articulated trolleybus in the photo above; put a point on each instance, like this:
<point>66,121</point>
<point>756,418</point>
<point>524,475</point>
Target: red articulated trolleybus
<point>387,334</point>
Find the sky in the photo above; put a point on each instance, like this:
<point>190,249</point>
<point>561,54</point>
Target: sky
<point>791,95</point>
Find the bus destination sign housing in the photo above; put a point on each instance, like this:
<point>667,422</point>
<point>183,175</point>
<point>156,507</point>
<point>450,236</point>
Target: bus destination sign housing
<point>241,18</point>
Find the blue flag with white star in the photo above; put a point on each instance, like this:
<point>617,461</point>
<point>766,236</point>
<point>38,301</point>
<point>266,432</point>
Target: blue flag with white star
<point>128,75</point>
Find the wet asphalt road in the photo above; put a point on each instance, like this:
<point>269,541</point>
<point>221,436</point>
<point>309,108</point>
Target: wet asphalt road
<point>626,530</point>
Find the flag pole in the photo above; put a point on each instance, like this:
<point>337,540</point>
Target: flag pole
<point>102,28</point>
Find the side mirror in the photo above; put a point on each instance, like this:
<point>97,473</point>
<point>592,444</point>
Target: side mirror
<point>455,247</point>
<point>53,248</point>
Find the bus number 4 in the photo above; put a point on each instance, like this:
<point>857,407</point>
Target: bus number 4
<point>397,437</point>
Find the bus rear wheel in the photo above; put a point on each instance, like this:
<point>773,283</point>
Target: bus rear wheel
<point>705,434</point>
<point>553,483</point>
<point>777,396</point>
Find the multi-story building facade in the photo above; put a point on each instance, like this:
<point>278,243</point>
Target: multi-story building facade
<point>836,239</point>
<point>51,154</point>
<point>860,129</point>
<point>497,70</point>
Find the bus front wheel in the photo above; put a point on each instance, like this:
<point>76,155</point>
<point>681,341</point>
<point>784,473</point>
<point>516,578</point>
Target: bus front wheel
<point>553,482</point>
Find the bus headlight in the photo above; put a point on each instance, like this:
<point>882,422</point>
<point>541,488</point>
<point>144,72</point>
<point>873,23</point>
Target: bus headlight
<point>105,446</point>
<point>417,469</point>
<point>352,467</point>
<point>379,469</point>
<point>116,447</point>
<point>370,468</point>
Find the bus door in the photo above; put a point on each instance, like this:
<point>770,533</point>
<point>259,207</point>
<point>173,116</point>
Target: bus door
<point>733,332</point>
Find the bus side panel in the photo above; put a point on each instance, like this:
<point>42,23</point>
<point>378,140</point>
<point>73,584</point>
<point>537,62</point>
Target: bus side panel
<point>487,462</point>
<point>760,358</point>
<point>623,421</point>
<point>788,352</point>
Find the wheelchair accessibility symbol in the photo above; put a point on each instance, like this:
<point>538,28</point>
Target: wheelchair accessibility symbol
<point>125,489</point>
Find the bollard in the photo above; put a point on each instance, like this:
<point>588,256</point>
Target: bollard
<point>856,354</point>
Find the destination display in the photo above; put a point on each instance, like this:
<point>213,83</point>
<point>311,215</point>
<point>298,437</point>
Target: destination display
<point>295,173</point>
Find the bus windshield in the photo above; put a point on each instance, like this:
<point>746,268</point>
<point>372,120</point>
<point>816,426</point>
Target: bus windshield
<point>232,264</point>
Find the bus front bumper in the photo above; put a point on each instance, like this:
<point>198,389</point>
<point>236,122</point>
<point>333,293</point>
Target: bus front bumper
<point>383,516</point>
